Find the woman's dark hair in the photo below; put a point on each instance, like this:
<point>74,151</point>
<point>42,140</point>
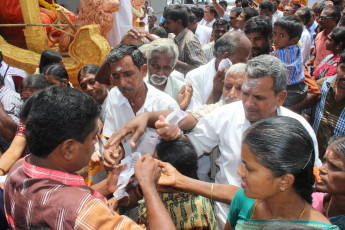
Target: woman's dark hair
<point>24,113</point>
<point>36,81</point>
<point>49,57</point>
<point>87,69</point>
<point>342,58</point>
<point>338,34</point>
<point>292,25</point>
<point>284,146</point>
<point>58,72</point>
<point>181,154</point>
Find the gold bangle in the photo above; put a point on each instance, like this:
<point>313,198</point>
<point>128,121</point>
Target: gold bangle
<point>212,191</point>
<point>128,201</point>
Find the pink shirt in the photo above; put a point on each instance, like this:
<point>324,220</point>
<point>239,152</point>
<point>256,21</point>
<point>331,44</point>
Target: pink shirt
<point>318,200</point>
<point>320,48</point>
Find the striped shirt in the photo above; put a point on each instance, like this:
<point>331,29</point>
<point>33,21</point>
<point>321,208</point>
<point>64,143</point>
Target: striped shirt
<point>41,197</point>
<point>292,58</point>
<point>189,49</point>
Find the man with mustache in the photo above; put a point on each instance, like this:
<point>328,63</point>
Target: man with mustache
<point>259,32</point>
<point>162,57</point>
<point>130,96</point>
<point>263,93</point>
<point>232,48</point>
<point>329,118</point>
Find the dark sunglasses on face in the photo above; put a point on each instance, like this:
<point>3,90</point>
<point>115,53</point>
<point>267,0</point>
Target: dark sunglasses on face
<point>324,18</point>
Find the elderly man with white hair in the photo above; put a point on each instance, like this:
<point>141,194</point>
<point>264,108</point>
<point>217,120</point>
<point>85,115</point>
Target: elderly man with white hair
<point>232,48</point>
<point>162,55</point>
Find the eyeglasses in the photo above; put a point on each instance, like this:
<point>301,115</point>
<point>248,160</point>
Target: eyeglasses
<point>324,18</point>
<point>287,10</point>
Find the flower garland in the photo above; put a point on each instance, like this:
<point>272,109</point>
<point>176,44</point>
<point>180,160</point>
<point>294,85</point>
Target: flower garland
<point>137,13</point>
<point>48,6</point>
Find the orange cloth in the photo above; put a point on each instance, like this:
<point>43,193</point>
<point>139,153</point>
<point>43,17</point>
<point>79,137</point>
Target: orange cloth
<point>309,80</point>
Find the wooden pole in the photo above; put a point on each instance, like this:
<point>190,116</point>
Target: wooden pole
<point>30,24</point>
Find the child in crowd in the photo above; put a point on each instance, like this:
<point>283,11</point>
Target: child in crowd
<point>187,210</point>
<point>286,34</point>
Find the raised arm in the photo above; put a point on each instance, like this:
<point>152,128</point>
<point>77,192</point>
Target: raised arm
<point>218,8</point>
<point>218,192</point>
<point>148,173</point>
<point>12,154</point>
<point>8,126</point>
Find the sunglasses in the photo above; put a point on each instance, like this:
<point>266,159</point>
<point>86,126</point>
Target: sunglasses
<point>324,18</point>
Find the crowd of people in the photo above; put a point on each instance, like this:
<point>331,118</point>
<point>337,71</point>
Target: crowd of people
<point>261,144</point>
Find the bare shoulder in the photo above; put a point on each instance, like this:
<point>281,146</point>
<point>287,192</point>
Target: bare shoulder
<point>315,215</point>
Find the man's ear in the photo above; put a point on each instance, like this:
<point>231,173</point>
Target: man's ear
<point>143,70</point>
<point>281,97</point>
<point>67,148</point>
<point>225,55</point>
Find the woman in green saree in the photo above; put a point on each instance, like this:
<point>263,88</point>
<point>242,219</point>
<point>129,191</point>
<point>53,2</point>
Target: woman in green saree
<point>277,178</point>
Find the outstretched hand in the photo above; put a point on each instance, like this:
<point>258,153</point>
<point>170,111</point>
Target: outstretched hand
<point>147,171</point>
<point>165,131</point>
<point>136,126</point>
<point>184,96</point>
<point>112,157</point>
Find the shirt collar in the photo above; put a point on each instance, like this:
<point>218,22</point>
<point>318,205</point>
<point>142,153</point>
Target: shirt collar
<point>63,177</point>
<point>180,35</point>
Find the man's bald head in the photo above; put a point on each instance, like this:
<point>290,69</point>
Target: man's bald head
<point>233,45</point>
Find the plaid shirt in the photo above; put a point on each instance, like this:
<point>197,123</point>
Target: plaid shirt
<point>37,197</point>
<point>292,58</point>
<point>12,105</point>
<point>329,114</point>
<point>189,49</point>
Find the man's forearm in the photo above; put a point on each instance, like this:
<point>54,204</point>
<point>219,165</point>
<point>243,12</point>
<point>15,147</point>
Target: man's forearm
<point>158,216</point>
<point>218,8</point>
<point>185,66</point>
<point>154,116</point>
<point>8,127</point>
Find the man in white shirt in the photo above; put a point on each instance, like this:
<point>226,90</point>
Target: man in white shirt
<point>263,93</point>
<point>130,96</point>
<point>202,33</point>
<point>210,15</point>
<point>307,41</point>
<point>220,27</point>
<point>233,46</point>
<point>277,13</point>
<point>161,55</point>
<point>13,76</point>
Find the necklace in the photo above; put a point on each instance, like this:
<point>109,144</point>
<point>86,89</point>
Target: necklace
<point>329,205</point>
<point>300,216</point>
